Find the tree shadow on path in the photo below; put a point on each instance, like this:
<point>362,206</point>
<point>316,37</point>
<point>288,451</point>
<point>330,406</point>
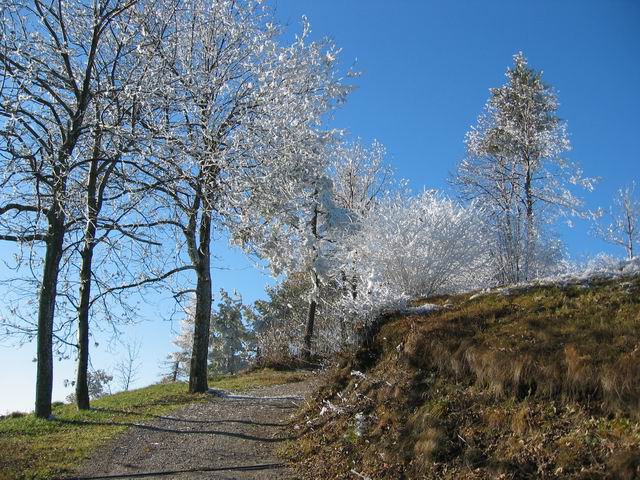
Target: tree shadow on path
<point>154,428</point>
<point>187,420</point>
<point>237,468</point>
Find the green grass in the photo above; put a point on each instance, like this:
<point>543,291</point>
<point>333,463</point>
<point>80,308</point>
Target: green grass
<point>32,448</point>
<point>256,378</point>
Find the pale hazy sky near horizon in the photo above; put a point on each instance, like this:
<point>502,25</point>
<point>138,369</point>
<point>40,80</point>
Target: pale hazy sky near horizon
<point>427,67</point>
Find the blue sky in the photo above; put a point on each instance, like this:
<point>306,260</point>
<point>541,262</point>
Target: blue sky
<point>427,67</point>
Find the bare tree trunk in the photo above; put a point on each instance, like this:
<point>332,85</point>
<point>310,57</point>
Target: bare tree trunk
<point>350,287</point>
<point>308,334</point>
<point>46,312</point>
<point>311,314</point>
<point>629,230</point>
<point>176,368</point>
<point>347,288</point>
<point>198,371</point>
<point>93,205</point>
<point>82,387</point>
<point>199,356</point>
<point>529,240</point>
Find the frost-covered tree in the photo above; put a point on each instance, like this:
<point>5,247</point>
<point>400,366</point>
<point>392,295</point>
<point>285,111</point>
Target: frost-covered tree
<point>302,241</point>
<point>305,242</point>
<point>51,55</point>
<point>233,103</point>
<point>417,247</point>
<point>404,247</point>
<point>316,248</point>
<point>623,227</point>
<point>361,179</point>
<point>360,176</point>
<point>516,168</point>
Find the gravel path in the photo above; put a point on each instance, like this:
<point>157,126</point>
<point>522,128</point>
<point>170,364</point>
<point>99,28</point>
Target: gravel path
<point>232,437</point>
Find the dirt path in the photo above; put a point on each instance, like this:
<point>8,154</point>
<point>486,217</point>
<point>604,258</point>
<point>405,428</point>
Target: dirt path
<point>232,437</point>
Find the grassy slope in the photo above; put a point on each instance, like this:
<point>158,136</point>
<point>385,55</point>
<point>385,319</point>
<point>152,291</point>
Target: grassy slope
<point>35,448</point>
<point>537,383</point>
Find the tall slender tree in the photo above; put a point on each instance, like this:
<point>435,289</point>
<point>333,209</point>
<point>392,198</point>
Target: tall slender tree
<point>301,238</point>
<point>49,54</point>
<point>234,102</point>
<point>109,199</point>
<point>515,166</point>
<point>361,180</point>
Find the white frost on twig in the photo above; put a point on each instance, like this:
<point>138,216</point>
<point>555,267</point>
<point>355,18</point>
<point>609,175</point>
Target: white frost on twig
<point>330,408</point>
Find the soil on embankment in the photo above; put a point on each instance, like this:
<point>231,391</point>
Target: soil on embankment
<point>524,383</point>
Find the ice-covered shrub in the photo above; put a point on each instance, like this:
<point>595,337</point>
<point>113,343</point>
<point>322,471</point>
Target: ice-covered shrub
<point>416,247</point>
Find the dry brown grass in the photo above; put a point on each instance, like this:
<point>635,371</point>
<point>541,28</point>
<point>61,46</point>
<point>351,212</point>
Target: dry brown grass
<point>581,343</point>
<point>541,383</point>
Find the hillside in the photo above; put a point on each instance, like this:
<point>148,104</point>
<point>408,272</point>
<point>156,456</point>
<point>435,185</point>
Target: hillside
<point>530,382</point>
